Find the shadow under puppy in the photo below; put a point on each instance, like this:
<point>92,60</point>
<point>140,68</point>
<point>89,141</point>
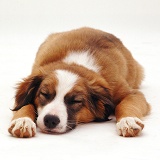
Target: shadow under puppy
<point>80,76</point>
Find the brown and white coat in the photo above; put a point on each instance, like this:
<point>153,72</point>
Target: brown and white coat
<point>80,76</point>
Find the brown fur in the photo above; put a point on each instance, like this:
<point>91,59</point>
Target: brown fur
<point>120,73</point>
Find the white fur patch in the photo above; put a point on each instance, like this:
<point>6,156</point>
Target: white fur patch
<point>83,58</point>
<point>66,81</point>
<point>129,126</point>
<point>23,125</point>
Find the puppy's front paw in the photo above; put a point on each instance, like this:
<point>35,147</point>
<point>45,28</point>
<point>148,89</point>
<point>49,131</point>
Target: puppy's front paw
<point>22,128</point>
<point>129,126</point>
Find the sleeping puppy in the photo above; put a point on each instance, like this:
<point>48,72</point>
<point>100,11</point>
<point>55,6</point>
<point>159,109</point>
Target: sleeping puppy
<point>80,76</point>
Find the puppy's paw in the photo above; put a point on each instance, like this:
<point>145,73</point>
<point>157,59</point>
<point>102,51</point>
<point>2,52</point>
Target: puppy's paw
<point>129,126</point>
<point>22,128</point>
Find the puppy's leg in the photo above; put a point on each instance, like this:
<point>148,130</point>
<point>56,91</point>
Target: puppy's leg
<point>128,113</point>
<point>22,124</point>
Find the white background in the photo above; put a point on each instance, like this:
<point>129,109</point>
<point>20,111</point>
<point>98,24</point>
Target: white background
<point>24,24</point>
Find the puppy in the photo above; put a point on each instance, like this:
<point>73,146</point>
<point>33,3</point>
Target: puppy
<point>80,76</point>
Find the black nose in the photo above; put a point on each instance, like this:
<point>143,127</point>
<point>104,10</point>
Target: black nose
<point>51,121</point>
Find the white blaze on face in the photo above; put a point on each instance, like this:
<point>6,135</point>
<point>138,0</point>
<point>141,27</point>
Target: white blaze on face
<point>57,107</point>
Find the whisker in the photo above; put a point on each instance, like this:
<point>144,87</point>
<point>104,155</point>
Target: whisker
<point>69,127</point>
<point>71,122</point>
<point>36,112</point>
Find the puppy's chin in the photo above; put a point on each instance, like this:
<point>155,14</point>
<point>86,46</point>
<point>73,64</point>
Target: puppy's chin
<point>56,131</point>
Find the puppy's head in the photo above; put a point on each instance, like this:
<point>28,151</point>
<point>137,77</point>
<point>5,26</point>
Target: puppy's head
<point>63,99</point>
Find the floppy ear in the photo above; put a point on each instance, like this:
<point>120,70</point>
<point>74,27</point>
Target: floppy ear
<point>26,91</point>
<point>101,100</point>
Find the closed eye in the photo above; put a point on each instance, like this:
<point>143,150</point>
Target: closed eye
<point>76,101</point>
<point>45,95</point>
<point>73,100</point>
